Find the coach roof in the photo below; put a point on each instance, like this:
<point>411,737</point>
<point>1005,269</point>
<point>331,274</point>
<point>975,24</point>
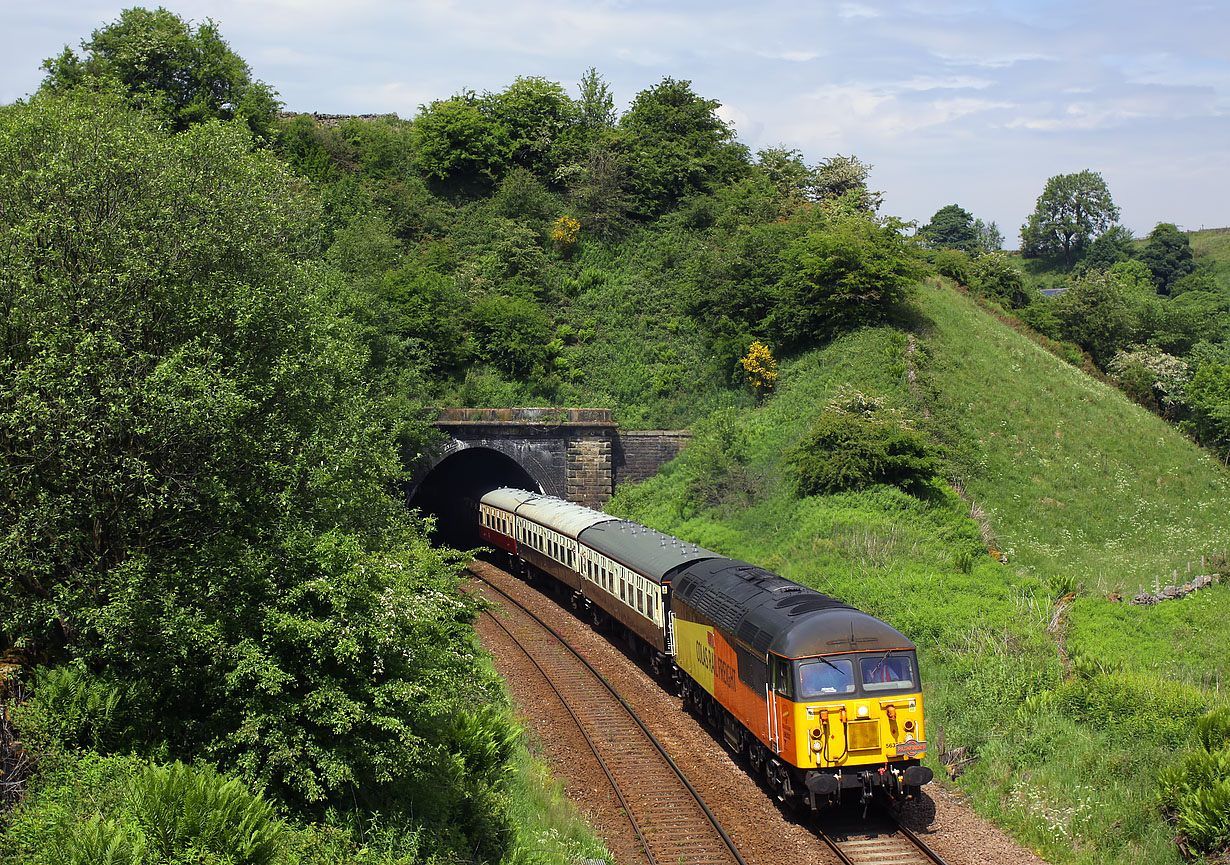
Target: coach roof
<point>644,550</point>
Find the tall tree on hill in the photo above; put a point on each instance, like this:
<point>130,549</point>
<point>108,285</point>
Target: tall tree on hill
<point>951,227</point>
<point>677,145</point>
<point>163,65</point>
<point>1071,211</point>
<point>1168,254</point>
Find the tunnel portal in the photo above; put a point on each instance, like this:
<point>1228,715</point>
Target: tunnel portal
<point>574,454</point>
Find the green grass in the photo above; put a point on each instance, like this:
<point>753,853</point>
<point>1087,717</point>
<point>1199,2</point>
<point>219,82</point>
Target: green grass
<point>1076,479</point>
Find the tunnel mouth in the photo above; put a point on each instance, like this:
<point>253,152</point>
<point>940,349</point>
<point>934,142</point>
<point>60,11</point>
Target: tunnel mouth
<point>451,490</point>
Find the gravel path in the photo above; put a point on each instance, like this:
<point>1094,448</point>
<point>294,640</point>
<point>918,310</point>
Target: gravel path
<point>764,833</point>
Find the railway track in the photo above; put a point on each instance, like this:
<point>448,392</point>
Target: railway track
<point>876,841</point>
<point>672,823</point>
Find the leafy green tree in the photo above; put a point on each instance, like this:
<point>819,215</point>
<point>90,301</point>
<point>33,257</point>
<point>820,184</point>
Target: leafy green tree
<point>1208,399</point>
<point>1109,248</point>
<point>951,227</point>
<point>853,269</point>
<point>510,333</point>
<point>195,481</point>
<point>1103,313</point>
<point>459,144</point>
<point>1168,254</point>
<point>542,122</point>
<point>1071,211</point>
<point>162,64</point>
<point>676,145</point>
<point>596,104</point>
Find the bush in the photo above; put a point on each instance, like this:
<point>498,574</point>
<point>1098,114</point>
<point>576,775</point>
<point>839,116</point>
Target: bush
<point>952,263</point>
<point>853,446</point>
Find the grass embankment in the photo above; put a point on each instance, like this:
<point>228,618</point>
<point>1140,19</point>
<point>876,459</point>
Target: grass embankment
<point>1087,492</point>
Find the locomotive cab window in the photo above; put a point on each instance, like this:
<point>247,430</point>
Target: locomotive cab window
<point>823,677</point>
<point>783,681</point>
<point>887,671</point>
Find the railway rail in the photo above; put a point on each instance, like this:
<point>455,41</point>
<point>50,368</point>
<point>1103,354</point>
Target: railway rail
<point>668,816</point>
<point>878,841</point>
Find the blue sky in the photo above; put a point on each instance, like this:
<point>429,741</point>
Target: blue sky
<point>974,103</point>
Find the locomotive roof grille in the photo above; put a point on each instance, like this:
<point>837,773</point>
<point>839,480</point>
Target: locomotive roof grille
<point>767,612</point>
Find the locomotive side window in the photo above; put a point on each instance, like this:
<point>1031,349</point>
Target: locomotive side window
<point>783,682</point>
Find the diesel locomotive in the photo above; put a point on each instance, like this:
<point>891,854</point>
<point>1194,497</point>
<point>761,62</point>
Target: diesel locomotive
<point>823,701</point>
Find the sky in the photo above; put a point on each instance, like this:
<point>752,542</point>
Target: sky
<point>969,103</point>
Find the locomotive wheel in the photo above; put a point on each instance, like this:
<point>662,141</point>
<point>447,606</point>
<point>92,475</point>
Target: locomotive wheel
<point>755,756</point>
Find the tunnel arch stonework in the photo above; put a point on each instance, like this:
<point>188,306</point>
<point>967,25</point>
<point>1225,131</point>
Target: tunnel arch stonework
<point>575,454</point>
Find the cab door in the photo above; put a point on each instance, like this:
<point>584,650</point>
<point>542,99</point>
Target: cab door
<point>780,706</point>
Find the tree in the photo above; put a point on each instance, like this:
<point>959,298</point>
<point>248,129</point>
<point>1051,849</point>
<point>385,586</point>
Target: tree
<point>1208,399</point>
<point>845,176</point>
<point>1109,248</point>
<point>989,237</point>
<point>1168,255</point>
<point>951,227</point>
<point>1102,313</point>
<point>194,474</point>
<point>163,65</point>
<point>542,123</point>
<point>1072,209</point>
<point>597,104</point>
<point>676,145</point>
<point>459,144</point>
<point>852,270</point>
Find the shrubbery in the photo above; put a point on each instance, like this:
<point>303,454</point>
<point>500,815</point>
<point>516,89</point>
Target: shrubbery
<point>858,442</point>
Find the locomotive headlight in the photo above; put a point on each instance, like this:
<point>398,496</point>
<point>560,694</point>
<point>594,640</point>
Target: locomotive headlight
<point>862,711</point>
<point>817,740</point>
<point>909,726</point>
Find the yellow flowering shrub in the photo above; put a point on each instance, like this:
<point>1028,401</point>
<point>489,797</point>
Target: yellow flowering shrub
<point>565,232</point>
<point>761,369</point>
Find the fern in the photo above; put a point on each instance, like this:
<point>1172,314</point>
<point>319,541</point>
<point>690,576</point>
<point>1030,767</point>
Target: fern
<point>1213,730</point>
<point>98,842</point>
<point>1204,817</point>
<point>180,808</point>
